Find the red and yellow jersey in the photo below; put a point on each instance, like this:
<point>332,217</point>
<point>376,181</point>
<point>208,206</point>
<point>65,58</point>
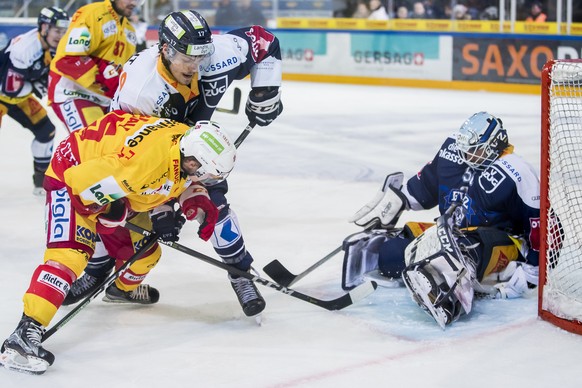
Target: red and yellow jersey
<point>122,155</point>
<point>96,34</point>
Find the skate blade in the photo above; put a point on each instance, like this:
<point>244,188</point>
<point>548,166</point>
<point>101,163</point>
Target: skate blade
<point>259,319</point>
<point>12,360</point>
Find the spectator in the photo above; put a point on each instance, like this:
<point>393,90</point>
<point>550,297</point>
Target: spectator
<point>489,13</point>
<point>377,11</point>
<point>250,14</point>
<point>141,28</point>
<point>226,14</point>
<point>460,12</point>
<point>362,10</point>
<point>536,13</point>
<point>418,11</point>
<point>402,12</point>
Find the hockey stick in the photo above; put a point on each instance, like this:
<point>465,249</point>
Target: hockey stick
<point>339,303</point>
<point>244,134</point>
<point>236,103</point>
<point>283,276</point>
<point>106,283</point>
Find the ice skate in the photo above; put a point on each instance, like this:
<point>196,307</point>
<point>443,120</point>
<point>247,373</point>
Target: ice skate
<point>248,296</point>
<point>144,294</point>
<point>22,351</point>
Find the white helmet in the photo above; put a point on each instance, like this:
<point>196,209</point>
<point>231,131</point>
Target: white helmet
<point>481,140</point>
<point>216,153</point>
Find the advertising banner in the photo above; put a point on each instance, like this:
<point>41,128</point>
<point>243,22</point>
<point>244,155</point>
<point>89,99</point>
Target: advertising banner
<point>367,54</point>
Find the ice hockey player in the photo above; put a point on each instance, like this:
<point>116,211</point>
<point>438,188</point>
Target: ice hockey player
<point>120,167</point>
<point>85,71</point>
<point>184,77</point>
<point>24,68</point>
<point>493,234</point>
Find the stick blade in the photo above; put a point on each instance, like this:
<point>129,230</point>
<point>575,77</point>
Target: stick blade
<point>354,296</point>
<point>281,275</point>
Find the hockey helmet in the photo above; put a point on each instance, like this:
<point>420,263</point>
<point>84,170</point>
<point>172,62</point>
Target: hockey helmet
<point>212,148</point>
<point>53,16</point>
<point>481,140</point>
<point>187,32</point>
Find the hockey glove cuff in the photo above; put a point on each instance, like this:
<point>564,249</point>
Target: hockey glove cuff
<point>264,105</point>
<point>115,216</point>
<point>196,205</point>
<point>108,77</point>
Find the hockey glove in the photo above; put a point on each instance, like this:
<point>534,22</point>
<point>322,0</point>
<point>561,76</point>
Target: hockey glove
<point>108,77</point>
<point>522,276</point>
<point>196,205</point>
<point>264,105</point>
<point>167,223</point>
<point>115,216</point>
<point>39,88</point>
<point>385,208</point>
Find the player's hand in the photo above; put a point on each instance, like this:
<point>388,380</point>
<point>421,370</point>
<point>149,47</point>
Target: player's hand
<point>196,205</point>
<point>108,77</point>
<point>115,216</point>
<point>264,105</point>
<point>167,223</point>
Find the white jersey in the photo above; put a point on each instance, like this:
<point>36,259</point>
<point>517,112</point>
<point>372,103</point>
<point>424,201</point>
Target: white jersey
<point>147,87</point>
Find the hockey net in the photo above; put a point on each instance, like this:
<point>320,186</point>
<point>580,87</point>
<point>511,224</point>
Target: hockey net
<point>560,288</point>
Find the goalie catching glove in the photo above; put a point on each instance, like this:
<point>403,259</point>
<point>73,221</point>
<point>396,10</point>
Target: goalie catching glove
<point>264,105</point>
<point>385,208</point>
<point>196,205</point>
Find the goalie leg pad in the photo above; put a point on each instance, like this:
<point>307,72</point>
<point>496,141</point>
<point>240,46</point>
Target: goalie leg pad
<point>391,258</point>
<point>361,256</point>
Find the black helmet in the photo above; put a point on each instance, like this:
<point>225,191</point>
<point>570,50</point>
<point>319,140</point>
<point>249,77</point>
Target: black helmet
<point>53,16</point>
<point>187,32</point>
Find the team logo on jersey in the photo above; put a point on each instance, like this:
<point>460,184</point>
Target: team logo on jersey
<point>78,41</point>
<point>260,42</point>
<point>213,90</point>
<point>491,179</point>
<point>109,29</point>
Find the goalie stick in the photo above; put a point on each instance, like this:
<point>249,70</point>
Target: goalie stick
<point>235,104</point>
<point>106,283</point>
<point>283,276</point>
<point>339,303</point>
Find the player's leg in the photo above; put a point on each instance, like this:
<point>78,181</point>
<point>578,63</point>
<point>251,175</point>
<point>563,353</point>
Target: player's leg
<point>70,242</point>
<point>129,287</point>
<point>229,244</point>
<point>31,115</point>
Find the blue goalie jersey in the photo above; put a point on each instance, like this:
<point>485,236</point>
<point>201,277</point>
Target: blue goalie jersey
<point>506,195</point>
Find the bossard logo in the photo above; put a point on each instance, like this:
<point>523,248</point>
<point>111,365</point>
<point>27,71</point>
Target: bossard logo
<point>53,281</point>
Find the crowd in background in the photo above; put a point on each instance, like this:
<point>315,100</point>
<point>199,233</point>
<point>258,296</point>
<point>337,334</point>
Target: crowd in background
<point>527,10</point>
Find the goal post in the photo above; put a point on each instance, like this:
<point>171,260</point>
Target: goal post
<point>560,289</point>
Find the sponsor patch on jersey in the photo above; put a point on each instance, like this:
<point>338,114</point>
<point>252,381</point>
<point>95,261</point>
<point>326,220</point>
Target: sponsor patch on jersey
<point>131,37</point>
<point>213,90</point>
<point>491,179</point>
<point>78,41</point>
<point>59,216</point>
<point>133,278</point>
<point>103,192</point>
<point>53,281</point>
<point>109,29</point>
<point>85,236</point>
<point>71,115</point>
<point>163,189</point>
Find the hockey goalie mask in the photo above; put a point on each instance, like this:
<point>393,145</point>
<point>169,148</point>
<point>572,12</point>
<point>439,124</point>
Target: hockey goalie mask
<point>481,140</point>
<point>212,149</point>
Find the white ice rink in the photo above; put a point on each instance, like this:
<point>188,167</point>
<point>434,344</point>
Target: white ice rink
<point>295,185</point>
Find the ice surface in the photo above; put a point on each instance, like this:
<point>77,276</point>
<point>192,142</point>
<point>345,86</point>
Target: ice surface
<point>295,185</point>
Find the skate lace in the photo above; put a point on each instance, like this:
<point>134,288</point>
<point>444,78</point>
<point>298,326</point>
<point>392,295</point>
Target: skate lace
<point>140,293</point>
<point>244,289</point>
<point>82,284</point>
<point>34,334</point>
